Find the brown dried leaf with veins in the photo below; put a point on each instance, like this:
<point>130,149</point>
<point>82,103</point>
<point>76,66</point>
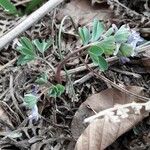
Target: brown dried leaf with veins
<point>103,132</point>
<point>83,12</point>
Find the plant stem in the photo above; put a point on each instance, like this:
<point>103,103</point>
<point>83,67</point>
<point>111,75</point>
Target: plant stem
<point>60,65</point>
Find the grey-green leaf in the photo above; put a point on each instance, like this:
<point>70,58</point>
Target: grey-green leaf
<point>26,47</point>
<point>43,45</point>
<point>108,45</point>
<point>56,90</point>
<point>99,61</point>
<point>121,36</point>
<point>30,100</point>
<point>125,50</point>
<point>97,30</point>
<point>43,79</point>
<point>109,32</point>
<point>24,59</point>
<point>95,50</point>
<point>8,6</point>
<point>85,35</point>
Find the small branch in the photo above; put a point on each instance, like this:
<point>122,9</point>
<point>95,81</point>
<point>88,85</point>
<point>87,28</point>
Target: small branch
<point>105,112</point>
<point>117,86</point>
<point>28,22</point>
<point>8,64</point>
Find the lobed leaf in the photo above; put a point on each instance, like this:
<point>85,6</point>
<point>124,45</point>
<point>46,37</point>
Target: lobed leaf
<point>108,45</point>
<point>30,100</point>
<point>121,36</point>
<point>26,47</point>
<point>99,61</point>
<point>95,50</point>
<point>98,29</point>
<point>125,50</point>
<point>42,80</point>
<point>85,35</point>
<point>56,90</point>
<point>43,45</point>
<point>23,59</point>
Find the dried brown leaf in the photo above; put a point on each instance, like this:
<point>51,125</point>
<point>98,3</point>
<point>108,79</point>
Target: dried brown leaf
<point>4,118</point>
<point>83,13</point>
<point>102,132</point>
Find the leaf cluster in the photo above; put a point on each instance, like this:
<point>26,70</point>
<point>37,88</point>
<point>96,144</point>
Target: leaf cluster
<point>110,42</point>
<point>29,49</point>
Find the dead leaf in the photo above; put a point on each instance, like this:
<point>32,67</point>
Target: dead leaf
<point>101,132</point>
<point>4,118</point>
<point>82,12</point>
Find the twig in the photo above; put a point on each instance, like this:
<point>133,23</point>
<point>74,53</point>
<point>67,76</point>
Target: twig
<point>28,22</point>
<point>84,78</point>
<point>4,123</point>
<point>127,73</point>
<point>105,112</point>
<point>22,2</point>
<point>8,64</point>
<point>117,86</point>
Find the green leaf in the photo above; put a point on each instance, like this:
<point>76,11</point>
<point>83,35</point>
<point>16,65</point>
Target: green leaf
<point>30,100</point>
<point>8,6</point>
<point>26,47</point>
<point>98,29</point>
<point>99,61</point>
<point>23,59</point>
<point>121,36</point>
<point>42,80</point>
<point>43,45</point>
<point>56,90</point>
<point>108,45</point>
<point>125,50</point>
<point>109,32</point>
<point>95,50</point>
<point>32,5</point>
<point>85,35</point>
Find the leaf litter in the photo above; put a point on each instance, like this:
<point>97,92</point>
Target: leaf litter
<point>53,129</point>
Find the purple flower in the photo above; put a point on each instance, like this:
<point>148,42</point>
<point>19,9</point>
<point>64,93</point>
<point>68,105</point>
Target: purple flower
<point>124,60</point>
<point>133,40</point>
<point>34,113</point>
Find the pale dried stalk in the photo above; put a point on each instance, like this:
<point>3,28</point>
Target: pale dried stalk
<point>28,22</point>
<point>105,112</point>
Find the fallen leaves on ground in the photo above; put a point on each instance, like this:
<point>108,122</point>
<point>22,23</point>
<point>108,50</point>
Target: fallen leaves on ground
<point>83,12</point>
<point>102,132</point>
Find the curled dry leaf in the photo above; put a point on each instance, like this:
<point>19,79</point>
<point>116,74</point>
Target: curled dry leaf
<point>82,12</point>
<point>102,132</point>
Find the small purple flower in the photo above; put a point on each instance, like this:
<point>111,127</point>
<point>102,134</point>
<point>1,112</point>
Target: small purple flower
<point>124,60</point>
<point>34,113</point>
<point>133,40</point>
